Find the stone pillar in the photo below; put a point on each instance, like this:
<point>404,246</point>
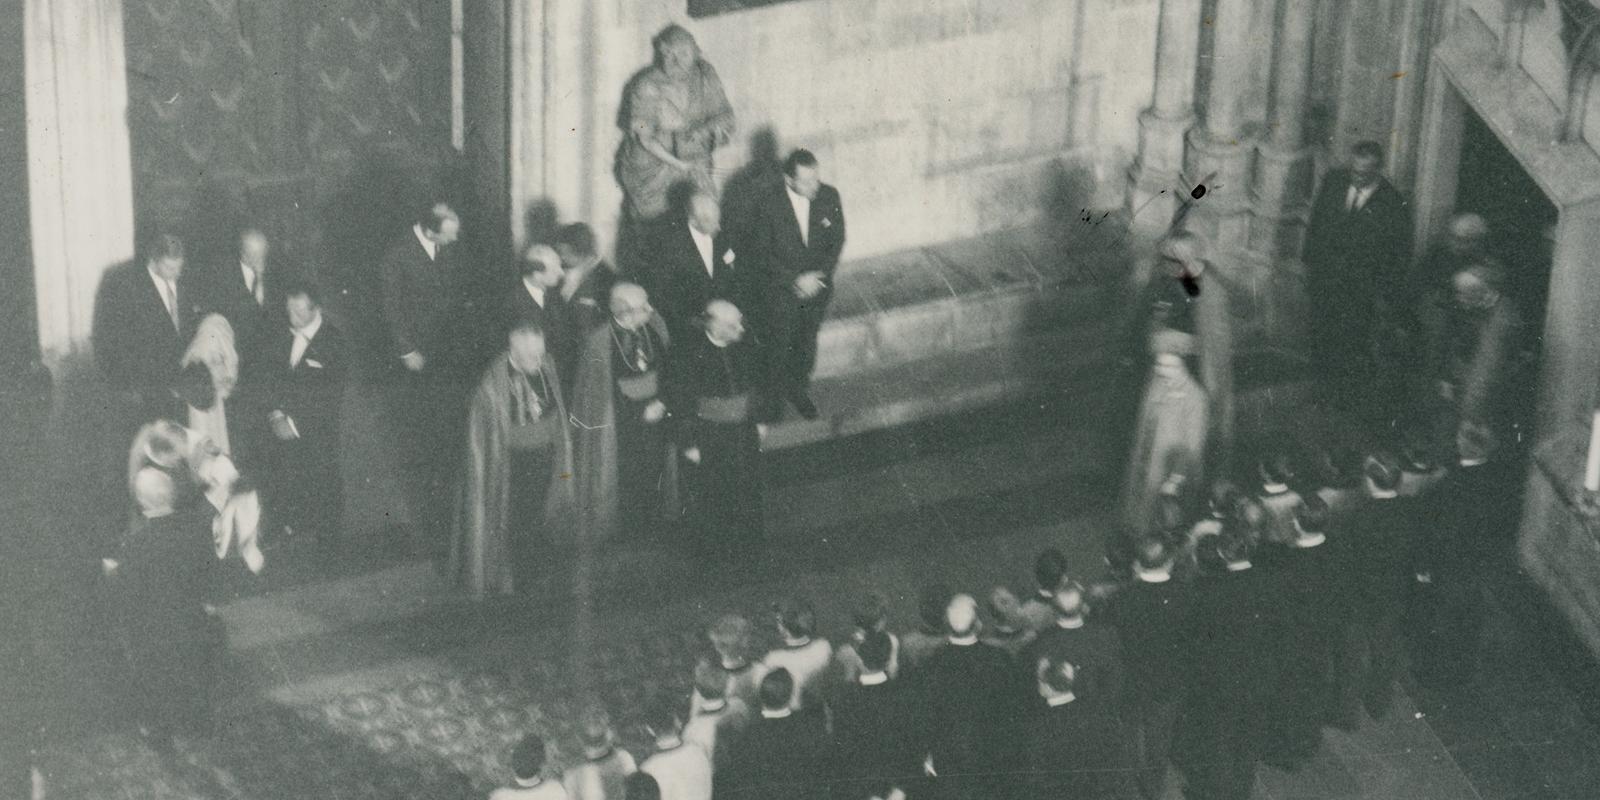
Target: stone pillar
<point>1219,155</point>
<point>80,172</point>
<point>1153,181</point>
<point>1284,171</point>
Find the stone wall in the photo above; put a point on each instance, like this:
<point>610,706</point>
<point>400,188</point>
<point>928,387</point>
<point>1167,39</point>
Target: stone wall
<point>937,119</point>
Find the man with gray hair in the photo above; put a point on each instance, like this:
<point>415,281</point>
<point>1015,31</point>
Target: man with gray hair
<point>693,264</point>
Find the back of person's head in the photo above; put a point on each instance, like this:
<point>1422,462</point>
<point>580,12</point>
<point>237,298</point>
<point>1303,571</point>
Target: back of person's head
<point>528,758</point>
<point>1152,555</point>
<point>730,636</point>
<point>1277,465</point>
<point>710,682</point>
<point>1004,609</point>
<point>961,616</point>
<point>594,731</point>
<point>1059,674</point>
<point>578,237</point>
<point>1382,469</point>
<point>872,613</point>
<point>777,688</point>
<point>1335,467</point>
<point>664,718</point>
<point>641,786</point>
<point>195,387</point>
<point>1171,516</point>
<point>1049,568</point>
<point>797,618</point>
<point>931,603</point>
<point>1312,514</point>
<point>1222,496</point>
<point>1068,601</point>
<point>875,651</point>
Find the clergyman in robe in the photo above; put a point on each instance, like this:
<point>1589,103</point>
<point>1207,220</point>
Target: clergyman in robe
<point>624,458</point>
<point>515,513</point>
<point>1170,437</point>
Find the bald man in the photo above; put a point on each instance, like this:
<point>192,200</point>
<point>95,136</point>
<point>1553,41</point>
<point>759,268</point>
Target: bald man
<point>693,264</point>
<point>537,299</point>
<point>977,697</point>
<point>713,379</point>
<point>626,481</point>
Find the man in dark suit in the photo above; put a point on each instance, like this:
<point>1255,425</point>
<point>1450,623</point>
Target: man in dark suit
<point>246,294</point>
<point>420,307</point>
<point>874,719</point>
<point>1357,255</point>
<point>303,366</point>
<point>144,317</point>
<point>799,232</point>
<point>1090,645</point>
<point>694,264</point>
<point>783,753</point>
<point>975,697</point>
<point>1153,615</point>
<point>537,299</point>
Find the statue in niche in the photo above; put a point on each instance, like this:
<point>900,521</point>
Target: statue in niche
<point>674,117</point>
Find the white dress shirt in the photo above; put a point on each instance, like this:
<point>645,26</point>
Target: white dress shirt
<point>1357,197</point>
<point>252,281</point>
<point>169,295</point>
<point>302,340</point>
<point>535,291</point>
<point>429,245</point>
<point>702,242</point>
<point>802,213</point>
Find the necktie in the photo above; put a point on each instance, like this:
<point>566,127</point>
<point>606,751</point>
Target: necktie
<point>169,296</point>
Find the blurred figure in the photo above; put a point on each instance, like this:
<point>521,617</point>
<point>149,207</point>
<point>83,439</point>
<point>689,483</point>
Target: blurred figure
<point>1075,740</point>
<point>783,755</point>
<point>537,299</point>
<point>682,771</point>
<point>872,616</point>
<point>694,263</point>
<point>876,723</point>
<point>144,316</point>
<point>806,658</point>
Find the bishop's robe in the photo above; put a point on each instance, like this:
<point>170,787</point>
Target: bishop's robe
<point>482,553</point>
<point>626,467</point>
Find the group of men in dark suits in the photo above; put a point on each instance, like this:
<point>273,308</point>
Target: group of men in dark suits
<point>778,270</point>
<point>283,417</point>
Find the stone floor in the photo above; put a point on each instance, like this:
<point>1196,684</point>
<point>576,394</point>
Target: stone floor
<point>376,683</point>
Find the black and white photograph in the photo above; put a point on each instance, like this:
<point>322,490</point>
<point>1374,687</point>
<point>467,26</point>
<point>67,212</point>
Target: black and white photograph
<point>800,400</point>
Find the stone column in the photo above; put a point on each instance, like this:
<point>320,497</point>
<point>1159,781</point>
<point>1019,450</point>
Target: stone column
<point>1218,154</point>
<point>1154,177</point>
<point>1284,171</point>
<point>80,170</point>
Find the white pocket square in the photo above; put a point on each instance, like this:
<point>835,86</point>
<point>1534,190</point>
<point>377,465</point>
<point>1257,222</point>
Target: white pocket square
<point>727,258</point>
<point>313,363</point>
<point>827,223</point>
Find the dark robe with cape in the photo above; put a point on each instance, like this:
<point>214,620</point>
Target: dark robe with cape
<point>597,431</point>
<point>481,551</point>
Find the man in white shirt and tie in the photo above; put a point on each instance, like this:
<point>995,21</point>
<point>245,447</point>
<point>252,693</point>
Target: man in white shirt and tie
<point>798,235</point>
<point>304,371</point>
<point>143,320</point>
<point>1357,255</point>
<point>424,316</point>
